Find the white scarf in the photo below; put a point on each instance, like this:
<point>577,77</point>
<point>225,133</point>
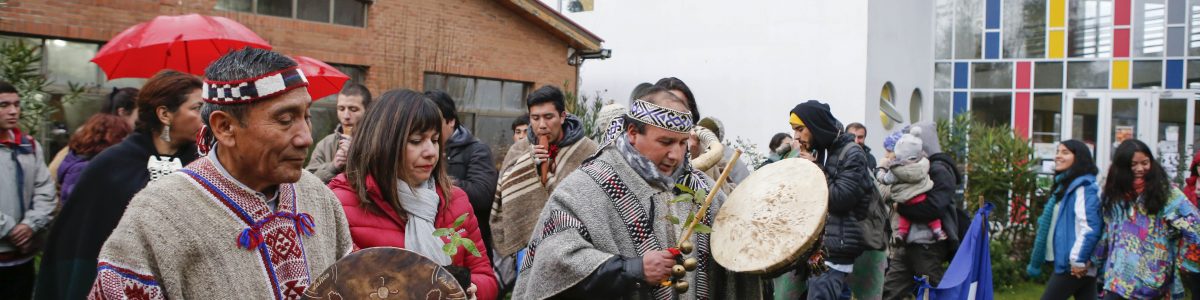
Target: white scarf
<point>421,204</point>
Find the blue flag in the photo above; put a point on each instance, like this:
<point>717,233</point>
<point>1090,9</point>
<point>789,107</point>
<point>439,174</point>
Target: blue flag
<point>970,274</point>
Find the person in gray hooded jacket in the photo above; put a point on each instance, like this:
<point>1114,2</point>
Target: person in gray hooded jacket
<point>470,162</point>
<point>26,198</point>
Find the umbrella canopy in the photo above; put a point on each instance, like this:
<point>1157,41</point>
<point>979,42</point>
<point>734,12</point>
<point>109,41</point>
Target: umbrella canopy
<point>186,43</point>
<point>323,79</point>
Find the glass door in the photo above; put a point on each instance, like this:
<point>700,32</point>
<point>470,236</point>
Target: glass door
<point>1105,119</point>
<point>1170,136</point>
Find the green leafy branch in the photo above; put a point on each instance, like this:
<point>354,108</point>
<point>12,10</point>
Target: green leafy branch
<point>457,239</point>
<point>689,195</point>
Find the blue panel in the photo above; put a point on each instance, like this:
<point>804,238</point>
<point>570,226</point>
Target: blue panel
<point>961,70</point>
<point>993,14</point>
<point>1174,74</point>
<point>960,103</point>
<point>992,42</point>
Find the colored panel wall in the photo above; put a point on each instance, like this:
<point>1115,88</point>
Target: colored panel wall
<point>1121,42</point>
<point>1021,115</point>
<point>960,103</point>
<point>992,45</point>
<point>961,70</point>
<point>1174,74</point>
<point>993,15</point>
<point>1024,75</point>
<point>1121,9</point>
<point>1058,13</point>
<point>1056,42</point>
<point>1120,74</point>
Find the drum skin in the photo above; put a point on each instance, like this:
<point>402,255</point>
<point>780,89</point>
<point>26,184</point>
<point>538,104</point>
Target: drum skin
<point>385,273</point>
<point>771,218</point>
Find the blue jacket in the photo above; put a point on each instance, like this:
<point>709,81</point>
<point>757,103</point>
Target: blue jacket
<point>1079,226</point>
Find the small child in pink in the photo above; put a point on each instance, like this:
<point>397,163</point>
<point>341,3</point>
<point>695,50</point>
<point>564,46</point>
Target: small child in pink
<point>907,176</point>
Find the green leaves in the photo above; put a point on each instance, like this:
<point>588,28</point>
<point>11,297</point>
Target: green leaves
<point>701,228</point>
<point>461,219</point>
<point>673,220</point>
<point>456,239</point>
<point>682,198</point>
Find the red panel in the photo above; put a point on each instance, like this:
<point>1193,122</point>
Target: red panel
<point>1121,42</point>
<point>1021,115</point>
<point>1121,12</point>
<point>1023,75</point>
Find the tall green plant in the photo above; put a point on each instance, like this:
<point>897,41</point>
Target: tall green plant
<point>587,110</point>
<point>20,66</point>
<point>1000,169</point>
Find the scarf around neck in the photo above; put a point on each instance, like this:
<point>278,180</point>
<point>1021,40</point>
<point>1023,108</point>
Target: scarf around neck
<point>421,204</point>
<point>644,167</point>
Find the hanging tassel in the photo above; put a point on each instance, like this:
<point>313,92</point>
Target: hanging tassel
<point>204,140</point>
<point>304,223</point>
<point>250,238</point>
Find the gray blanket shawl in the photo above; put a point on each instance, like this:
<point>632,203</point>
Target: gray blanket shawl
<point>580,228</point>
<point>913,180</point>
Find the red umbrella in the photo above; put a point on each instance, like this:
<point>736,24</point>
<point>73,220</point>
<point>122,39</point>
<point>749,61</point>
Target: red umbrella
<point>186,43</point>
<point>323,79</point>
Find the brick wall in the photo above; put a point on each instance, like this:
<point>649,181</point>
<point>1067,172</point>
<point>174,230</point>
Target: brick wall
<point>402,39</point>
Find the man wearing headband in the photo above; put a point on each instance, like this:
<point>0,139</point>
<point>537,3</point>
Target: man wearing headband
<point>605,234</point>
<point>243,222</point>
<point>555,146</point>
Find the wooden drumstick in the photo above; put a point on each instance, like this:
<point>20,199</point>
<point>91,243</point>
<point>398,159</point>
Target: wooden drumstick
<point>708,200</point>
<point>545,164</point>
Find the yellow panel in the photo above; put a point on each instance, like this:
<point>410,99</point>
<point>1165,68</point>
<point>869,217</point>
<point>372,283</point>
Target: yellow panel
<point>1057,40</point>
<point>1120,75</point>
<point>1058,13</point>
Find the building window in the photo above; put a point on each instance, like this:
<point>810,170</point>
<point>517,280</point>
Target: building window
<point>1087,75</point>
<point>942,106</point>
<point>1047,118</point>
<point>942,75</point>
<point>991,76</point>
<point>343,12</point>
<point>992,108</point>
<point>887,106</point>
<point>1147,74</point>
<point>968,26</point>
<point>1149,34</point>
<point>1193,76</point>
<point>1090,28</point>
<point>1024,28</point>
<point>1085,121</point>
<point>943,28</point>
<point>1048,75</point>
<point>485,106</point>
<point>916,105</point>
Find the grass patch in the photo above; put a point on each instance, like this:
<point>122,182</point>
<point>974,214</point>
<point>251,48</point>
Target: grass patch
<point>1022,291</point>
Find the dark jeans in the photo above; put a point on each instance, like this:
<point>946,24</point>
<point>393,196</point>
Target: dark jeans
<point>17,281</point>
<point>913,260</point>
<point>828,286</point>
<point>1112,296</point>
<point>1062,286</point>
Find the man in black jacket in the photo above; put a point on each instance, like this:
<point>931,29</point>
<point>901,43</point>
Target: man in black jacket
<point>922,254</point>
<point>823,141</point>
<point>469,163</point>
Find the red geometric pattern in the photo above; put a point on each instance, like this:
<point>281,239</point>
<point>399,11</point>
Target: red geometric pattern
<point>113,282</point>
<point>282,249</point>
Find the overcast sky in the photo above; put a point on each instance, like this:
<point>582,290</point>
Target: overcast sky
<point>748,65</point>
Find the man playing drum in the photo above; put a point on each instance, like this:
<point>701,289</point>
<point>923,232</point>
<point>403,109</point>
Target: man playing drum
<point>605,232</point>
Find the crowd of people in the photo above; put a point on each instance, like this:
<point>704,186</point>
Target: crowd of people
<point>195,187</point>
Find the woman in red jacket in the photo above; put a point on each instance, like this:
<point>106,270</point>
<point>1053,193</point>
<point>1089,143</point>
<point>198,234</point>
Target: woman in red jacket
<point>395,190</point>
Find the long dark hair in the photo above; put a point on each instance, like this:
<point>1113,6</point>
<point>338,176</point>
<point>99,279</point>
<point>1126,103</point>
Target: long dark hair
<point>377,149</point>
<point>1118,187</point>
<point>1083,165</point>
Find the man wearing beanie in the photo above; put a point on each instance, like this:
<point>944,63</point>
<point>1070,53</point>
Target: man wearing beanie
<point>823,142</point>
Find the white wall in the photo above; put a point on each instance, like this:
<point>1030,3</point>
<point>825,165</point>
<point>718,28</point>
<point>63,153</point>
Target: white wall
<point>900,41</point>
<point>748,63</point>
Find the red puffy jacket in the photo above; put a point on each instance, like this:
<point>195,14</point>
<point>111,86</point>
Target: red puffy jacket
<point>370,229</point>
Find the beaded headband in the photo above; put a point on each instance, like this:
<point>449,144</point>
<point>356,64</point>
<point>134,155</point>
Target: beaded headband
<point>253,89</point>
<point>661,117</point>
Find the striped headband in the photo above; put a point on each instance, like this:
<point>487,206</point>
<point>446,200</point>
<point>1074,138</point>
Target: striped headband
<point>253,89</point>
<point>661,117</point>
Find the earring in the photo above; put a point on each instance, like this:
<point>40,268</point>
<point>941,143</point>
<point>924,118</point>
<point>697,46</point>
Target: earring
<point>166,134</point>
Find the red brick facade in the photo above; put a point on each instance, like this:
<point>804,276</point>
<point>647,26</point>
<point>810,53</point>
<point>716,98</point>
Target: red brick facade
<point>402,39</point>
